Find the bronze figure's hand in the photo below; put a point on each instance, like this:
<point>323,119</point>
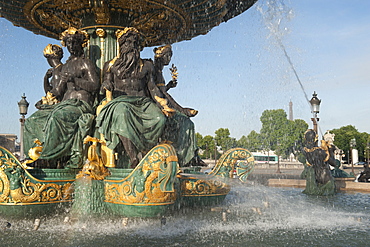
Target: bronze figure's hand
<point>172,84</point>
<point>106,85</point>
<point>49,73</point>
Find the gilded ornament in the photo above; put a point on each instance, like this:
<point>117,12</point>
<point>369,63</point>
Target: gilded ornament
<point>94,167</point>
<point>151,182</point>
<point>72,31</point>
<point>101,32</point>
<point>17,186</point>
<point>50,99</point>
<point>49,50</point>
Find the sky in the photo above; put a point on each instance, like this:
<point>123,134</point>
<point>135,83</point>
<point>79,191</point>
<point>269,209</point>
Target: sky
<point>239,69</point>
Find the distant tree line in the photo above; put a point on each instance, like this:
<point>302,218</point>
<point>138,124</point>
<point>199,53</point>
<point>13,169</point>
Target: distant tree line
<point>281,135</point>
<point>278,134</point>
<point>343,137</point>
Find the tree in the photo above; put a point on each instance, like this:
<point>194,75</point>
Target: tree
<point>254,141</point>
<point>274,125</point>
<point>224,140</point>
<point>343,136</point>
<point>207,144</point>
<point>200,141</point>
<point>242,142</point>
<point>293,138</point>
<point>280,134</point>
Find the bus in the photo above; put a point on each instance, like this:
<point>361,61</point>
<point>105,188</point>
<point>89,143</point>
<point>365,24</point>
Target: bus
<point>260,158</point>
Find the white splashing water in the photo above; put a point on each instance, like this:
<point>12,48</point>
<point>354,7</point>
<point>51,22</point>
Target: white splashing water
<point>276,14</point>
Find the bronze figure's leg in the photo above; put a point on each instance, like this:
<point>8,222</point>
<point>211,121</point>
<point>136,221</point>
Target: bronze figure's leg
<point>130,150</point>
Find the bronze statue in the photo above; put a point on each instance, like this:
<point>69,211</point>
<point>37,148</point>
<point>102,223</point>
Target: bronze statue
<point>79,74</point>
<point>319,180</point>
<point>137,114</point>
<point>35,123</point>
<point>179,128</point>
<point>54,55</point>
<point>162,57</point>
<point>364,176</point>
<point>66,124</point>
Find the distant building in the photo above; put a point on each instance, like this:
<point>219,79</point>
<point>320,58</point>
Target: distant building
<point>291,110</point>
<point>8,141</point>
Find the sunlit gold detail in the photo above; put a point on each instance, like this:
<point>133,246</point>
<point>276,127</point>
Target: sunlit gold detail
<point>309,150</point>
<point>193,112</point>
<point>49,49</point>
<point>49,98</point>
<point>111,62</point>
<point>228,162</point>
<point>119,32</point>
<point>166,109</point>
<point>25,190</point>
<point>161,50</point>
<point>94,167</point>
<point>324,146</point>
<point>203,187</point>
<point>172,159</point>
<point>147,183</point>
<point>174,73</point>
<point>4,185</point>
<point>108,156</point>
<point>101,32</point>
<point>250,159</point>
<point>35,152</point>
<point>72,31</point>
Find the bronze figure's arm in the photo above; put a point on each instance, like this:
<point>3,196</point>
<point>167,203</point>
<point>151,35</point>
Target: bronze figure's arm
<point>47,85</point>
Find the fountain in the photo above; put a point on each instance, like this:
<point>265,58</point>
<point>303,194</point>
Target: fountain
<point>96,151</point>
<point>249,214</point>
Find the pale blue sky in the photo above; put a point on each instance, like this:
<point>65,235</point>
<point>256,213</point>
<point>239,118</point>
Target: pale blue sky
<point>236,71</point>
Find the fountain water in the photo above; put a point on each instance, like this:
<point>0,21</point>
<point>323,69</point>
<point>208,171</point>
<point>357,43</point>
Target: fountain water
<point>274,14</point>
<point>255,215</point>
<point>251,215</point>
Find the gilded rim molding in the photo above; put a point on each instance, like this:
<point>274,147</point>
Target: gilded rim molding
<point>38,13</point>
<point>160,21</point>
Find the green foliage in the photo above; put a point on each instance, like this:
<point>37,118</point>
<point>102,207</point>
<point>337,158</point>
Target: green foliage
<point>207,144</point>
<point>242,142</point>
<point>343,137</point>
<point>280,134</point>
<point>255,141</point>
<point>224,140</point>
<point>274,124</point>
<point>277,133</point>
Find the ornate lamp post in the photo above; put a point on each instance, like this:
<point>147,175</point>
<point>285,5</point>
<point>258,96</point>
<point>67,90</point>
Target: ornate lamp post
<point>23,107</point>
<point>367,152</point>
<point>278,156</point>
<point>315,109</point>
<point>352,144</point>
<point>215,152</point>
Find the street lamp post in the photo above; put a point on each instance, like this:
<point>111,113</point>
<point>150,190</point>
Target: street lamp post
<point>315,109</point>
<point>23,107</point>
<point>367,152</point>
<point>278,156</point>
<point>215,152</point>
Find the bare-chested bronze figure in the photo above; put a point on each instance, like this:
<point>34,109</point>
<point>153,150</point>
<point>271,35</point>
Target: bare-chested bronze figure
<point>137,114</point>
